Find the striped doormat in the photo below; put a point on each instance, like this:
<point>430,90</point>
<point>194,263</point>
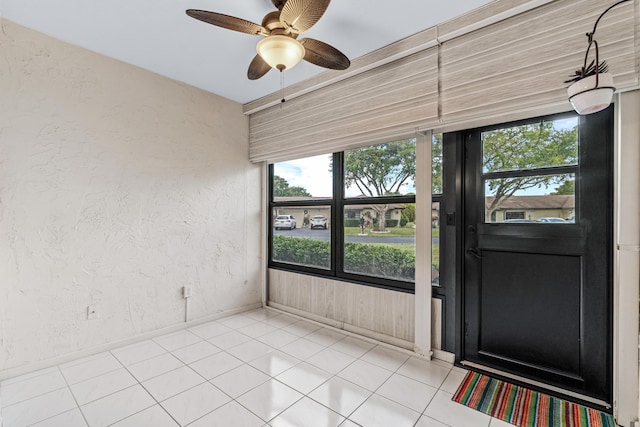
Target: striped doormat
<point>524,407</point>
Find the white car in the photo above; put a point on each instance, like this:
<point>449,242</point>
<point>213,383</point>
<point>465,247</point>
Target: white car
<point>552,219</point>
<point>318,221</point>
<point>284,221</point>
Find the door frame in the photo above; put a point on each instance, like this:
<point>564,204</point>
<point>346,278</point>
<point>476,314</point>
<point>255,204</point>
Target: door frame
<point>460,138</point>
<point>627,257</point>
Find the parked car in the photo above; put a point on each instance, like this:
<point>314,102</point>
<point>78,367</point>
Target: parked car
<point>551,219</point>
<point>318,221</point>
<point>284,221</point>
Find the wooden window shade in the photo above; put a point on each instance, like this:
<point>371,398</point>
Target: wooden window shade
<point>513,67</point>
<point>521,63</point>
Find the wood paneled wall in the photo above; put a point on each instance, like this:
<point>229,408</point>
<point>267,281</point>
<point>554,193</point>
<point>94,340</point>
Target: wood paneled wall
<point>378,313</point>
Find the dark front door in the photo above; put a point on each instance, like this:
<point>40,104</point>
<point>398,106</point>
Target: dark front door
<point>537,286</point>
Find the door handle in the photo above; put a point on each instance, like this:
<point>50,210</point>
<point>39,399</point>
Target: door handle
<point>475,252</point>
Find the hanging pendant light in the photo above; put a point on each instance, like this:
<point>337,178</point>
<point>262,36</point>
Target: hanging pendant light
<point>591,88</point>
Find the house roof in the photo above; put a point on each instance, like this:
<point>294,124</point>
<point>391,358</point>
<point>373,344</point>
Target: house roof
<point>535,202</point>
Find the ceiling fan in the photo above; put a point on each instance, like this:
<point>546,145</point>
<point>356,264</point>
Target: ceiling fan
<point>280,48</point>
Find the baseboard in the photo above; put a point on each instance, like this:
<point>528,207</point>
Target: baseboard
<point>44,364</point>
<point>445,356</point>
<point>345,327</point>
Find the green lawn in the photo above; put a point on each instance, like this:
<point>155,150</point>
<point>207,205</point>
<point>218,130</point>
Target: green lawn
<point>392,232</point>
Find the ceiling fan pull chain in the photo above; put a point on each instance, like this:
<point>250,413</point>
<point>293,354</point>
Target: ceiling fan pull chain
<point>282,87</point>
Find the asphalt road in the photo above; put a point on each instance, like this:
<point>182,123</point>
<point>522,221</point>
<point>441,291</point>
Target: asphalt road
<point>321,234</point>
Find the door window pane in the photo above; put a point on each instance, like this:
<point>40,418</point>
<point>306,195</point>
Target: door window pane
<point>538,145</point>
<point>531,199</point>
<point>379,240</point>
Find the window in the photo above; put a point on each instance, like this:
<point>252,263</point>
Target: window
<point>300,237</point>
<point>513,215</point>
<point>529,172</point>
<point>388,254</point>
<point>301,212</point>
<point>354,213</point>
<point>436,200</point>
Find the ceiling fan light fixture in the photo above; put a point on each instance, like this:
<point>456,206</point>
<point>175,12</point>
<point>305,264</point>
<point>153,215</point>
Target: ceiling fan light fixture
<point>280,52</point>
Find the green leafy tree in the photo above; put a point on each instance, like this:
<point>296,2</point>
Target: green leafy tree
<point>567,187</point>
<point>281,188</point>
<point>408,214</point>
<point>381,170</point>
<point>524,148</point>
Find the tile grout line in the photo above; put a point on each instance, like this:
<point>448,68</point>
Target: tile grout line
<point>72,395</point>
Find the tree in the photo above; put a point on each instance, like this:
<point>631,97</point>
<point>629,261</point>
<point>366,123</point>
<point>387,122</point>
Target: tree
<point>281,188</point>
<point>408,213</point>
<point>567,187</point>
<point>381,170</point>
<point>527,147</point>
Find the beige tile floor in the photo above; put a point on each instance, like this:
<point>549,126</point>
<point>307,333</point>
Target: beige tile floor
<point>259,368</point>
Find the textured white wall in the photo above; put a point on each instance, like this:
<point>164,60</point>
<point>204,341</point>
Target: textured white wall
<point>117,187</point>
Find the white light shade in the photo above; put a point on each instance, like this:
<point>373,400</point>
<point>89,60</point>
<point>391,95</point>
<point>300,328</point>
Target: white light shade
<point>586,98</point>
<point>280,52</point>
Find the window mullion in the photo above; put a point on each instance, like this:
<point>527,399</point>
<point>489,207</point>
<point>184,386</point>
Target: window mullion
<point>337,213</point>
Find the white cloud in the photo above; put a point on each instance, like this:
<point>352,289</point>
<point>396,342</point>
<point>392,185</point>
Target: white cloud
<point>311,173</point>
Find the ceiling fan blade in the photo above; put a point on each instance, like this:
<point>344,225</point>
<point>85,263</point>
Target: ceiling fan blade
<point>324,55</point>
<point>300,15</point>
<point>279,4</point>
<point>226,21</point>
<point>257,68</point>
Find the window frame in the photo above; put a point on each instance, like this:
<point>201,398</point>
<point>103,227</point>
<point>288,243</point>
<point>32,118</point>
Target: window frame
<point>337,242</point>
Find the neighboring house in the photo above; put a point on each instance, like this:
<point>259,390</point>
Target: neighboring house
<point>393,213</point>
<point>532,207</point>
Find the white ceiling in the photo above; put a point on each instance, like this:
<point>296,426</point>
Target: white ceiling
<point>158,36</point>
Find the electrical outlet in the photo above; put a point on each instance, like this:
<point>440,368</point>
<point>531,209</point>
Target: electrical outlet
<point>187,291</point>
<point>92,312</point>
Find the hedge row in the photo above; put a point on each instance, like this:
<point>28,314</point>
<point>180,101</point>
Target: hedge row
<point>351,222</point>
<point>360,258</point>
<point>295,250</point>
